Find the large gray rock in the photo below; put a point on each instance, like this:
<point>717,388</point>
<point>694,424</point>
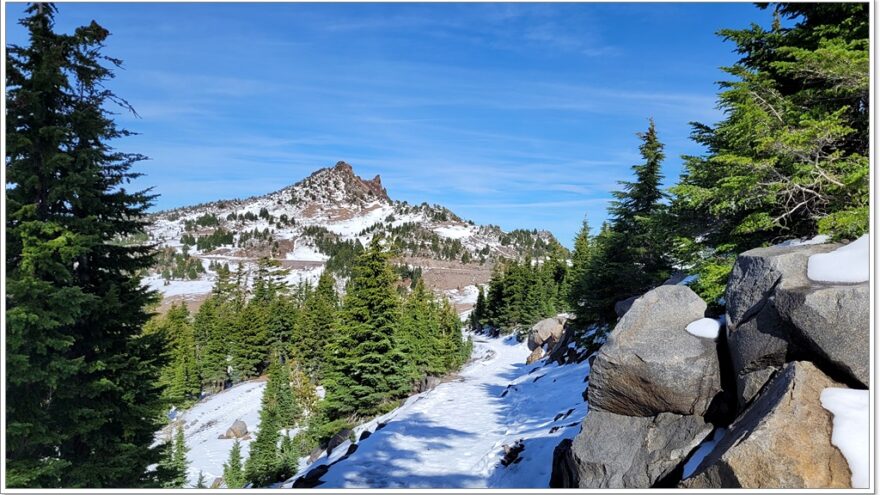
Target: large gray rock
<point>783,439</point>
<point>548,331</point>
<point>615,451</point>
<point>776,314</point>
<point>237,430</point>
<point>621,307</point>
<point>832,322</point>
<point>759,347</point>
<point>758,272</point>
<point>651,365</point>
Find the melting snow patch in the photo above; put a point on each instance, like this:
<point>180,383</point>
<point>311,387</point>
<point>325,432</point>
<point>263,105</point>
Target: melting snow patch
<point>454,231</point>
<point>706,328</point>
<point>819,239</point>
<point>850,429</point>
<point>846,264</point>
<point>306,253</point>
<point>179,287</point>
<point>690,467</point>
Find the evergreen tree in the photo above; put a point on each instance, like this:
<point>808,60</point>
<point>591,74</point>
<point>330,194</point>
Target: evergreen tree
<point>210,329</point>
<point>363,364</point>
<point>575,292</point>
<point>82,404</point>
<point>181,376</point>
<point>790,158</point>
<point>233,474</point>
<point>264,463</point>
<point>477,318</point>
<point>315,325</point>
<point>201,482</point>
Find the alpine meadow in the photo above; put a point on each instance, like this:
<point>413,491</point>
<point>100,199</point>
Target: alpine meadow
<point>438,246</point>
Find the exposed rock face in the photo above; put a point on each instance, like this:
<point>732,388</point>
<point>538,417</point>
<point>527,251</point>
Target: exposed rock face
<point>428,383</point>
<point>621,307</point>
<point>775,315</point>
<point>564,473</point>
<point>536,354</point>
<point>237,430</point>
<point>650,385</point>
<point>337,439</point>
<point>783,439</point>
<point>547,331</point>
<point>832,322</point>
<point>651,365</point>
<point>617,451</point>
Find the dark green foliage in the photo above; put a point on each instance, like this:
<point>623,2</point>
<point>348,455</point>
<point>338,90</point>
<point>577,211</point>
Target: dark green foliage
<point>630,255</point>
<point>82,404</point>
<point>364,367</point>
<point>217,238</point>
<point>173,466</point>
<point>233,473</point>
<point>180,378</point>
<point>201,483</point>
<point>315,326</point>
<point>178,266</point>
<point>477,318</point>
<point>790,158</point>
<point>521,293</point>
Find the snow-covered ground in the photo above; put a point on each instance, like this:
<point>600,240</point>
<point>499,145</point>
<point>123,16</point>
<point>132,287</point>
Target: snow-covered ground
<point>209,419</point>
<point>179,287</point>
<point>465,295</point>
<point>453,436</point>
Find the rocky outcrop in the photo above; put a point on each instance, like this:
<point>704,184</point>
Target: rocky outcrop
<point>536,355</point>
<point>649,387</point>
<point>776,314</point>
<point>547,331</point>
<point>656,392</point>
<point>617,451</point>
<point>651,365</point>
<point>237,430</point>
<point>831,322</point>
<point>783,439</point>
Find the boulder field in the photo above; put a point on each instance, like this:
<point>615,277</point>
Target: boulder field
<point>751,397</point>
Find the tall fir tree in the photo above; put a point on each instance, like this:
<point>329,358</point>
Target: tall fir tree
<point>790,157</point>
<point>315,325</point>
<point>233,473</point>
<point>181,376</point>
<point>82,403</point>
<point>363,364</point>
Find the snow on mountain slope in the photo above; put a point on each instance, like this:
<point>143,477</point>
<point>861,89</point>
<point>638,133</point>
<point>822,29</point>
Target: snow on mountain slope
<point>302,225</point>
<point>210,418</point>
<point>453,436</point>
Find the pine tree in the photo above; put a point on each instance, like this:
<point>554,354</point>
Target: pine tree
<point>790,158</point>
<point>82,403</point>
<point>211,342</point>
<point>179,461</point>
<point>201,482</point>
<point>181,376</point>
<point>477,318</point>
<point>263,464</point>
<point>363,364</point>
<point>575,292</point>
<point>233,474</point>
<point>315,325</point>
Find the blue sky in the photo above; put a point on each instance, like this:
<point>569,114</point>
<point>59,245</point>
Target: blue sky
<point>520,115</point>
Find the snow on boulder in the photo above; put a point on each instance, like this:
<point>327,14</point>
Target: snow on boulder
<point>760,340</point>
<point>849,432</point>
<point>651,365</point>
<point>782,440</point>
<point>547,331</point>
<point>706,328</point>
<point>846,264</point>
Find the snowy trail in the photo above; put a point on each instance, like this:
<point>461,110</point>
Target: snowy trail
<point>452,436</point>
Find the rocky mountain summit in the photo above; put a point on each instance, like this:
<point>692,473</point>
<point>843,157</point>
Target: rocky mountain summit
<point>775,397</point>
<point>320,222</point>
